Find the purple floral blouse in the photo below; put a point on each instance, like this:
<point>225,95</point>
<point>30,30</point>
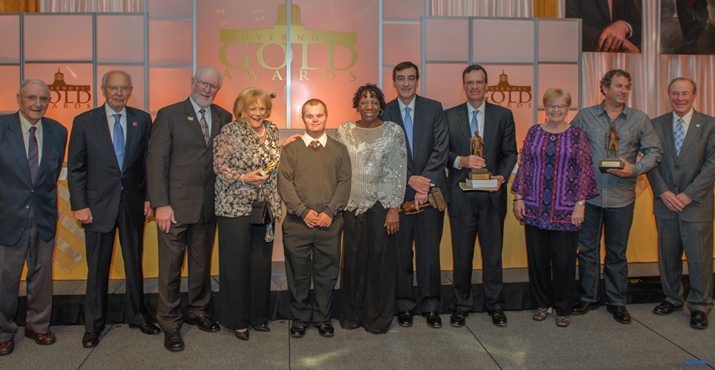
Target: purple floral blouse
<point>555,171</point>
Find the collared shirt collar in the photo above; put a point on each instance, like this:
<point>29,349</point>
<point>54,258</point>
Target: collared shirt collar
<point>625,112</point>
<point>197,108</point>
<point>323,139</point>
<point>687,117</point>
<point>25,124</point>
<point>111,112</point>
<point>411,105</point>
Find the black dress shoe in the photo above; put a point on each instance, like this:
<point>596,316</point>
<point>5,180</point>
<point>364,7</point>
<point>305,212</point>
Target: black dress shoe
<point>620,314</point>
<point>7,347</point>
<point>458,319</point>
<point>404,318</point>
<point>241,334</point>
<point>297,329</point>
<point>173,341</point>
<point>582,307</point>
<point>433,319</point>
<point>665,308</point>
<point>262,327</point>
<point>698,320</point>
<point>204,322</point>
<point>498,317</point>
<point>146,328</point>
<point>325,329</point>
<point>90,340</point>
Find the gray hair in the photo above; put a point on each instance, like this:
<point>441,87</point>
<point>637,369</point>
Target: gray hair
<point>201,70</point>
<point>31,81</point>
<point>126,74</point>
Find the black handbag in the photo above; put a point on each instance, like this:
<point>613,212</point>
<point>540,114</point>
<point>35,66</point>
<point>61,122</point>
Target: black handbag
<point>261,213</point>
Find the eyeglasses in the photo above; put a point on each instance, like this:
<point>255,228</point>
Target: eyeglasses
<point>118,88</point>
<point>204,84</point>
<point>555,106</point>
<point>41,99</point>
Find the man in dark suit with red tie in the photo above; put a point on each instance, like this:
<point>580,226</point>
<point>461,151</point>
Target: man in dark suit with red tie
<point>33,150</point>
<point>478,213</point>
<point>106,172</point>
<point>181,188</point>
<point>422,120</point>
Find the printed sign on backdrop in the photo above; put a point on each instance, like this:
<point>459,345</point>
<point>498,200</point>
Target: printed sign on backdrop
<point>333,50</point>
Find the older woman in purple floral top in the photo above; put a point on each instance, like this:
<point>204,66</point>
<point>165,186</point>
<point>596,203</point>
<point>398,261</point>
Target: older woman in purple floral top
<point>554,179</point>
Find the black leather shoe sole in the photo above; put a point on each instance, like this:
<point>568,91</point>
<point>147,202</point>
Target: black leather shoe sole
<point>148,329</point>
<point>173,341</point>
<point>297,331</point>
<point>666,308</point>
<point>433,320</point>
<point>204,324</point>
<point>457,319</point>
<point>583,307</point>
<point>404,319</point>
<point>263,327</point>
<point>620,315</point>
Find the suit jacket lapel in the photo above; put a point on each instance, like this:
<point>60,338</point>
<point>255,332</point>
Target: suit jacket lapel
<point>603,7</point>
<point>489,129</point>
<point>215,124</point>
<point>47,151</point>
<point>101,129</point>
<point>17,146</point>
<point>132,137</point>
<point>464,125</point>
<point>692,134</point>
<point>418,123</point>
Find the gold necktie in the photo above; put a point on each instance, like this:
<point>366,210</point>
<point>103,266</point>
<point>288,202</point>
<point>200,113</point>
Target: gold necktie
<point>315,145</point>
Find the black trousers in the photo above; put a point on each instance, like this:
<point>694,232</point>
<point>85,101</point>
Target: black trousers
<point>99,259</point>
<point>196,239</point>
<point>367,291</point>
<point>244,272</point>
<point>312,255</point>
<point>551,256</point>
<point>476,217</point>
<point>425,231</point>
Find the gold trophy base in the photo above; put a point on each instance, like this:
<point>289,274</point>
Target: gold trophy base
<point>610,163</point>
<point>479,180</point>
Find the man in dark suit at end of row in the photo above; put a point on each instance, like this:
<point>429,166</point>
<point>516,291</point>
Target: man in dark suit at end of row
<point>479,213</point>
<point>106,173</point>
<point>683,203</point>
<point>33,150</point>
<point>181,189</point>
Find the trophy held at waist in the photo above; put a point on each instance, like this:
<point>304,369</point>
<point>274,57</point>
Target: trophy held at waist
<point>478,178</point>
<point>611,161</point>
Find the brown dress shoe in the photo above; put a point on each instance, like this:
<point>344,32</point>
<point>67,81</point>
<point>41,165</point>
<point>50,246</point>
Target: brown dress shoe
<point>44,339</point>
<point>6,348</point>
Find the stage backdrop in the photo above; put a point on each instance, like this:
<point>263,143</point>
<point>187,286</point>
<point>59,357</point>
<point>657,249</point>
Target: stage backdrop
<point>166,41</point>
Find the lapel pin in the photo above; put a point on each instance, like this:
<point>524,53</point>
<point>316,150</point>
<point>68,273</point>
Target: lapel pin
<point>190,118</point>
<point>697,125</point>
<point>134,124</point>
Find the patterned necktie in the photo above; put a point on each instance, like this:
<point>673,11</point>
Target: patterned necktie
<point>204,125</point>
<point>474,125</point>
<point>33,154</point>
<point>118,140</point>
<point>315,145</point>
<point>679,135</point>
<point>409,126</point>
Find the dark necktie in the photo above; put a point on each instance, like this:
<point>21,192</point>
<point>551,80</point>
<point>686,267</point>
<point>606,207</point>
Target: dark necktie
<point>33,154</point>
<point>204,125</point>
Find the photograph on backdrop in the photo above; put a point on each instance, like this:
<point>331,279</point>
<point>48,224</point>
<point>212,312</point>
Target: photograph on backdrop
<point>608,25</point>
<point>687,27</point>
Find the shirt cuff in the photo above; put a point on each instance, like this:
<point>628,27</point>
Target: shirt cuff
<point>456,163</point>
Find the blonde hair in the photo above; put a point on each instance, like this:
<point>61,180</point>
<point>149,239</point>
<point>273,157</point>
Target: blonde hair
<point>555,93</point>
<point>250,96</point>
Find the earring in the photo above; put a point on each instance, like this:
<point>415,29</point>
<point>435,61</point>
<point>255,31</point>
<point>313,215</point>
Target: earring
<point>381,112</point>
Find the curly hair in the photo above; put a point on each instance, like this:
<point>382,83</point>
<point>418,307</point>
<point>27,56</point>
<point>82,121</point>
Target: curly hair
<point>370,89</point>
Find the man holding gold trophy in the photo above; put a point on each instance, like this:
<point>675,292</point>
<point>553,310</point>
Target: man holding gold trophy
<point>617,135</point>
<point>482,154</point>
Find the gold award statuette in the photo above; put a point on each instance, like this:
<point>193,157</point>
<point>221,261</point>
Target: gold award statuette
<point>612,161</point>
<point>270,167</point>
<point>478,178</point>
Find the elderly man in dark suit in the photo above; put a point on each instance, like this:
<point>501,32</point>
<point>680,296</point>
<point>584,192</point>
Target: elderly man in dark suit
<point>478,213</point>
<point>181,188</point>
<point>106,171</point>
<point>422,120</point>
<point>33,150</point>
<point>683,203</point>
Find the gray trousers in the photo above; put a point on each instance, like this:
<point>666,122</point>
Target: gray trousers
<point>38,255</point>
<point>311,255</point>
<point>696,239</point>
<point>196,239</point>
